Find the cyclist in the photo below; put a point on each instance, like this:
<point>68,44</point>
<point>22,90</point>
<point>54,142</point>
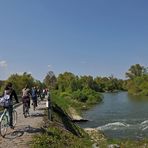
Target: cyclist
<point>26,97</point>
<point>11,92</point>
<point>34,96</point>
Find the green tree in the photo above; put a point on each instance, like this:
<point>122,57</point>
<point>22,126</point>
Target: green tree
<point>87,82</point>
<point>19,81</point>
<point>50,80</point>
<point>134,71</point>
<point>67,82</point>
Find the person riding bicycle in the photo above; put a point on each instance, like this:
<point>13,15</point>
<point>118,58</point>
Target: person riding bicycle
<point>9,91</point>
<point>26,97</point>
<point>34,96</point>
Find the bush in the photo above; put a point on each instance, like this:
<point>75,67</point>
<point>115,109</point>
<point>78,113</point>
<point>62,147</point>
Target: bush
<point>58,137</point>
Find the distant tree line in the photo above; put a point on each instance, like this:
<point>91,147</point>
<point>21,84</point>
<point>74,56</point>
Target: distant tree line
<point>85,88</point>
<point>19,82</point>
<point>82,88</point>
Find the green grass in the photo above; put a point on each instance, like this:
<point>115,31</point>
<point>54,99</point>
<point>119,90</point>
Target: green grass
<point>56,137</point>
<point>127,143</point>
<point>61,133</point>
<point>66,102</point>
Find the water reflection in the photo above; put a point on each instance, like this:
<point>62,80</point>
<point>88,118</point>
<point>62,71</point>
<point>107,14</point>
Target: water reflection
<point>138,98</point>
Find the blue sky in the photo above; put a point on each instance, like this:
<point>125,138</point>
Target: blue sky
<point>85,37</point>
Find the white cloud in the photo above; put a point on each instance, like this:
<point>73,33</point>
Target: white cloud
<point>3,64</point>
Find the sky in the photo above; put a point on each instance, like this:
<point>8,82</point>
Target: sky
<point>84,37</point>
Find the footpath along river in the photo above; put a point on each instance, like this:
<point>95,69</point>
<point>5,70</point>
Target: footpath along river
<point>26,128</point>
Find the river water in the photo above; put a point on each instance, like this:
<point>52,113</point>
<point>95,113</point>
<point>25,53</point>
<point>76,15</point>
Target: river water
<point>119,116</point>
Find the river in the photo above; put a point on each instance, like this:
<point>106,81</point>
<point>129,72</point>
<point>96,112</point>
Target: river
<point>119,116</point>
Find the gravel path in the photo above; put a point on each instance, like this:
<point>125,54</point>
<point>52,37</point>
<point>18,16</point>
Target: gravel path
<point>21,136</point>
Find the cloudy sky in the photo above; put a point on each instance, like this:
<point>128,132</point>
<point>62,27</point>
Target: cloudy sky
<point>85,37</point>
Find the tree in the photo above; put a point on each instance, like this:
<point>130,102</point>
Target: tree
<point>134,71</point>
<point>50,80</point>
<point>87,82</point>
<point>67,82</point>
<point>19,81</point>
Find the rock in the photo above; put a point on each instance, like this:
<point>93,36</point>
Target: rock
<point>74,115</point>
<point>95,145</point>
<point>113,146</point>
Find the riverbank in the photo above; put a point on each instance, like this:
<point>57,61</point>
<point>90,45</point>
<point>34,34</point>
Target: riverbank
<point>115,124</point>
<point>62,132</point>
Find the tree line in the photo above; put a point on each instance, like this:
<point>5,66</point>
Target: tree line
<point>85,88</point>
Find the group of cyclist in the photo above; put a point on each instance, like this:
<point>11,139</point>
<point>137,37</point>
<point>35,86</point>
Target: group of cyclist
<point>31,94</point>
<point>27,95</point>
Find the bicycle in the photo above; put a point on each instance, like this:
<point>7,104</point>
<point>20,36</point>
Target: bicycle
<point>5,120</point>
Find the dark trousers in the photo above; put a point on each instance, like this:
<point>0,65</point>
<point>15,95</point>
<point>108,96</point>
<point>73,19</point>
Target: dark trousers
<point>29,103</point>
<point>10,111</point>
<point>34,99</point>
<point>26,99</point>
<point>25,104</point>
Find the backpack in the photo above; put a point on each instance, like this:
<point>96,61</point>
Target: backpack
<point>5,101</point>
<point>33,93</point>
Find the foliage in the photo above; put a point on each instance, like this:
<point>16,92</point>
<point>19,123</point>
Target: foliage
<point>138,82</point>
<point>88,96</point>
<point>50,80</point>
<point>109,84</point>
<point>56,137</point>
<point>128,143</point>
<point>64,100</point>
<point>19,81</point>
<point>138,85</point>
<point>67,82</point>
<point>135,71</point>
<point>62,132</point>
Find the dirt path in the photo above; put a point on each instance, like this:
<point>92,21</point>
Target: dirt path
<point>21,136</point>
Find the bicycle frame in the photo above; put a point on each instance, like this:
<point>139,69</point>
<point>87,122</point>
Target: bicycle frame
<point>5,113</point>
<point>5,120</point>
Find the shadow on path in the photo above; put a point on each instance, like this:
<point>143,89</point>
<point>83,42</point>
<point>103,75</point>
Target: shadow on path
<point>37,115</point>
<point>20,132</point>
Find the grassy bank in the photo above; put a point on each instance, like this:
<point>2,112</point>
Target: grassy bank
<point>65,101</point>
<point>63,133</point>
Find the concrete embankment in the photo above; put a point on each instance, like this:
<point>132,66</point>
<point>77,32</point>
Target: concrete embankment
<point>75,116</point>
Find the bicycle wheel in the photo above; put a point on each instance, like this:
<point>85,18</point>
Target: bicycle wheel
<point>14,117</point>
<point>3,125</point>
